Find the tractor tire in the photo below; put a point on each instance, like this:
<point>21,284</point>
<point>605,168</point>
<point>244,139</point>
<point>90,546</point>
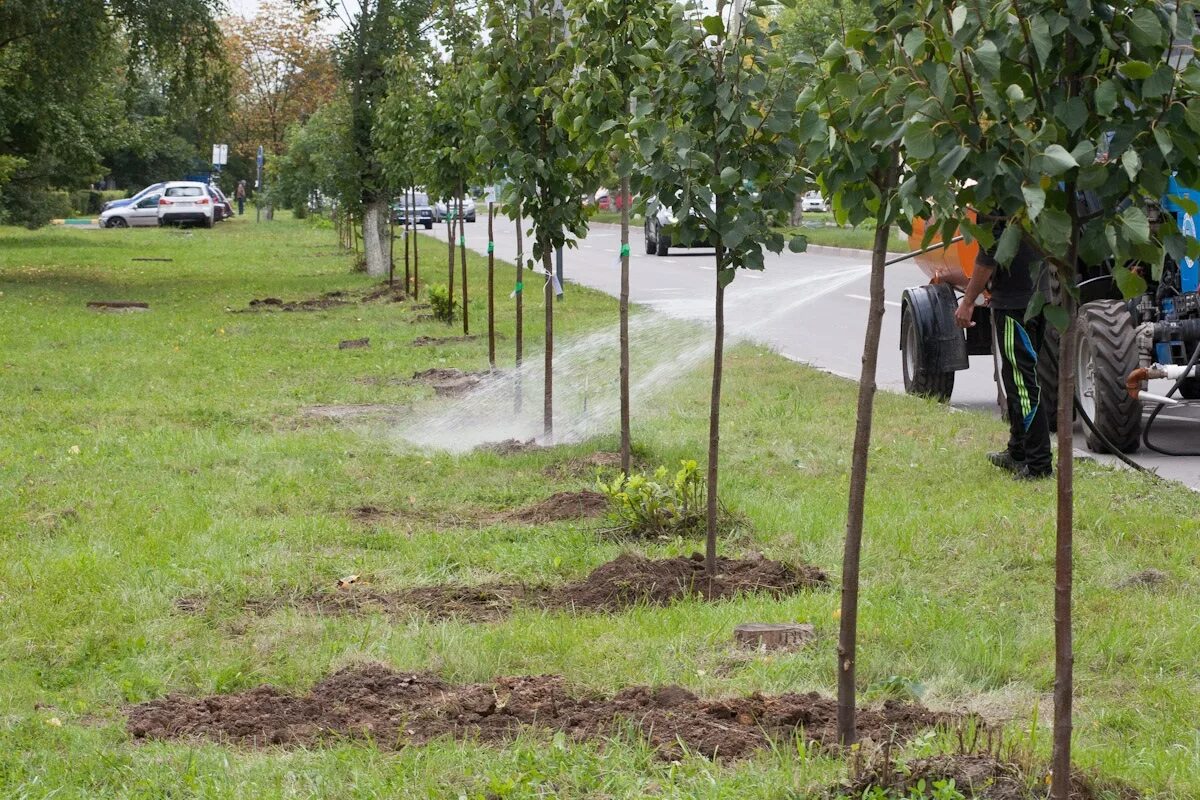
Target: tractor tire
<point>918,378</point>
<point>1047,372</point>
<point>1190,389</point>
<point>1106,352</point>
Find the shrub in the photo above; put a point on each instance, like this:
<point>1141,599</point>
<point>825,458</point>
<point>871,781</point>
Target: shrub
<point>87,201</point>
<point>659,506</point>
<point>442,303</point>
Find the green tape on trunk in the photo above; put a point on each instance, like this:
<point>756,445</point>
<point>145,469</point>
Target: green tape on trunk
<point>491,247</point>
<point>462,241</point>
<point>624,250</point>
<point>520,286</point>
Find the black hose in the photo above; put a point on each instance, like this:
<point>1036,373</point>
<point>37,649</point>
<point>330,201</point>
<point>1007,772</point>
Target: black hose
<point>1116,451</point>
<point>1154,414</point>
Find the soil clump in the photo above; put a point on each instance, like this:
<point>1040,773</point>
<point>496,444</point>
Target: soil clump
<point>354,344</point>
<point>1146,579</point>
<point>395,709</point>
<point>434,341</point>
<point>326,300</point>
<point>563,505</point>
<point>510,447</point>
<point>584,465</point>
<point>449,382</point>
<point>118,306</point>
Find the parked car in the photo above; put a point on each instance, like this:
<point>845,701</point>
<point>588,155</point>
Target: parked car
<point>222,209</point>
<point>154,188</point>
<point>813,201</point>
<point>186,201</point>
<point>143,213</point>
<point>441,210</point>
<point>422,211</point>
<point>662,230</point>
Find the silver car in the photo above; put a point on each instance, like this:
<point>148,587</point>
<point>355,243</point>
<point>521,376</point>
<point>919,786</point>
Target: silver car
<point>441,210</point>
<point>142,213</point>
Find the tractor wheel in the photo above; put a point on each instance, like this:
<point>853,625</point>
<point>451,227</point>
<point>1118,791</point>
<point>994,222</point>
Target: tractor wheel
<point>1190,389</point>
<point>1047,372</point>
<point>918,378</point>
<point>1106,353</point>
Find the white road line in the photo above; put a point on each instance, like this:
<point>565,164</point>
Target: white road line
<point>864,297</point>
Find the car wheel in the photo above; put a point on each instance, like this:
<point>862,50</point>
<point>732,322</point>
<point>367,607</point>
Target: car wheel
<point>208,222</point>
<point>429,225</point>
<point>662,242</point>
<point>118,222</point>
<point>650,243</point>
<point>470,217</point>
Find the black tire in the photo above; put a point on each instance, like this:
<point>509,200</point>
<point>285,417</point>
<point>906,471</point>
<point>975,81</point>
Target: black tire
<point>429,225</point>
<point>118,222</point>
<point>1106,354</point>
<point>651,245</point>
<point>1047,372</point>
<point>662,242</point>
<point>470,217</point>
<point>209,222</point>
<point>918,379</point>
<point>1190,389</point>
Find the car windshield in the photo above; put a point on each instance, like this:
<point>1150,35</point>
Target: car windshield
<point>185,191</point>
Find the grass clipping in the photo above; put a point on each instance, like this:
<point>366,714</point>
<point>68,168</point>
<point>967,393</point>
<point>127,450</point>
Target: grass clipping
<point>660,506</point>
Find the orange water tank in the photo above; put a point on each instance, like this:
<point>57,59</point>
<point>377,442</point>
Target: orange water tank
<point>952,265</point>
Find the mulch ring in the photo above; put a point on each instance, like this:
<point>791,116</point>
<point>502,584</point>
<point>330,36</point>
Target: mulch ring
<point>449,382</point>
<point>390,294</point>
<point>395,709</point>
<point>626,581</point>
<point>434,341</point>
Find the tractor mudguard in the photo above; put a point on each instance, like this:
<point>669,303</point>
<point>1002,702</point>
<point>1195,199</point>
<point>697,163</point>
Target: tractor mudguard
<point>943,345</point>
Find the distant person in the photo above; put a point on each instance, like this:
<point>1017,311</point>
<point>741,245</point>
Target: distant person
<point>240,194</point>
<point>1018,339</point>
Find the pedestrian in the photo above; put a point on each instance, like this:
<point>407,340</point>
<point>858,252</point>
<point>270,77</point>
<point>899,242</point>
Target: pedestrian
<point>240,194</point>
<point>1017,341</point>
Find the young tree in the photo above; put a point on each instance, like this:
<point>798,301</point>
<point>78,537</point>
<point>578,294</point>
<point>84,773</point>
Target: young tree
<point>530,69</point>
<point>614,39</point>
<point>718,134</point>
<point>1059,114</point>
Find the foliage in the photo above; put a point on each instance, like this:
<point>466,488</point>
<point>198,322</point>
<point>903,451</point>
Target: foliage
<point>658,506</point>
<point>442,303</point>
<point>317,160</point>
<point>809,27</point>
<point>450,163</point>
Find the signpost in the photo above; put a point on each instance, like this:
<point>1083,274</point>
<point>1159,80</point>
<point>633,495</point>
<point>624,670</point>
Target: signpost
<point>258,184</point>
<point>220,156</point>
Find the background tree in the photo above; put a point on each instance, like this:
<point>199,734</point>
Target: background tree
<point>530,70</point>
<point>1036,102</point>
<point>402,122</point>
<point>718,133</point>
<point>615,40</point>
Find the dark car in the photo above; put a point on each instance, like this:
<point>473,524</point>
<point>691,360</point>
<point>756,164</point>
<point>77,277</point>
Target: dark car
<point>422,211</point>
<point>221,206</point>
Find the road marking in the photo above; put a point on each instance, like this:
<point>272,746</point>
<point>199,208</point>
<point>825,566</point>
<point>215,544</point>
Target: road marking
<point>864,297</point>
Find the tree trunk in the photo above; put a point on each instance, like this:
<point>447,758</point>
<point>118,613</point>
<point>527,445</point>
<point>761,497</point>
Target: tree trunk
<point>407,223</point>
<point>373,238</point>
<point>491,298</point>
<point>626,440</point>
<point>548,396</point>
<point>450,246</point>
<point>1064,657</point>
<point>391,233</point>
<point>520,291</point>
<point>416,252</point>
<point>847,638</point>
<point>462,253</point>
<point>714,426</point>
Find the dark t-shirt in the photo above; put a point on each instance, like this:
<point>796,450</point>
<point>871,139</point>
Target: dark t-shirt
<point>1012,287</point>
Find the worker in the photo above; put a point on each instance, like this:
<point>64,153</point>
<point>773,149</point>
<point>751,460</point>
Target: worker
<point>1018,340</point>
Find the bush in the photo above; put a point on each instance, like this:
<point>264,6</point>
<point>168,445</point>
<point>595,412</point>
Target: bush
<point>640,505</point>
<point>87,201</point>
<point>442,303</point>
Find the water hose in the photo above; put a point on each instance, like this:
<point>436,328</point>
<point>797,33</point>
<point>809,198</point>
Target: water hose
<point>1165,401</point>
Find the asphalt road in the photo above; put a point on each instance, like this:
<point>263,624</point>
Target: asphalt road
<point>810,307</point>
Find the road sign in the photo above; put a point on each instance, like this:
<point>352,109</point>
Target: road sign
<point>220,155</point>
<point>259,160</point>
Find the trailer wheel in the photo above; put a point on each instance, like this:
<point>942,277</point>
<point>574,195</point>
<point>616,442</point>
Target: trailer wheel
<point>918,379</point>
<point>1106,352</point>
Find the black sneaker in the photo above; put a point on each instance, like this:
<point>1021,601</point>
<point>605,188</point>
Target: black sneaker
<point>1004,460</point>
<point>1026,473</point>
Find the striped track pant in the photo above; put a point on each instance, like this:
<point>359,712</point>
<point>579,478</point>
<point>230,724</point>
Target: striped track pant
<point>1018,342</point>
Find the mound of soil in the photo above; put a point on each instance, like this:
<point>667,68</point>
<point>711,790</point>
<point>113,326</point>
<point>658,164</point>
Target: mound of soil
<point>433,341</point>
<point>327,300</point>
<point>631,579</point>
<point>563,505</point>
<point>510,447</point>
<point>1146,579</point>
<point>584,465</point>
<point>389,294</point>
<point>485,603</point>
<point>449,382</point>
<point>395,709</point>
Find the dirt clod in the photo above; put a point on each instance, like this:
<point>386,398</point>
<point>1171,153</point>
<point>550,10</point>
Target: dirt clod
<point>327,300</point>
<point>564,505</point>
<point>449,382</point>
<point>433,341</point>
<point>510,447</point>
<point>584,465</point>
<point>118,306</point>
<point>773,635</point>
<point>354,344</point>
<point>390,294</point>
<point>1146,579</point>
<point>394,709</point>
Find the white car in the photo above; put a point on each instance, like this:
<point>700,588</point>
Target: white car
<point>441,209</point>
<point>662,230</point>
<point>141,213</point>
<point>185,201</point>
<point>812,201</point>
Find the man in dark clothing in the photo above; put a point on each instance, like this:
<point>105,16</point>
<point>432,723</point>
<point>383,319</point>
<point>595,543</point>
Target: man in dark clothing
<point>1018,341</point>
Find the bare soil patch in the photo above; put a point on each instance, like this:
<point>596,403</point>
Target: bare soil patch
<point>395,709</point>
<point>354,344</point>
<point>449,382</point>
<point>510,447</point>
<point>434,341</point>
<point>584,465</point>
<point>628,580</point>
<point>118,306</point>
<point>563,505</point>
<point>1146,579</point>
<point>326,300</point>
<point>386,294</point>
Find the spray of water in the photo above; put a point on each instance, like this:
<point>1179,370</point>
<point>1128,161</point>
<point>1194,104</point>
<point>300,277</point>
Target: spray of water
<point>665,344</point>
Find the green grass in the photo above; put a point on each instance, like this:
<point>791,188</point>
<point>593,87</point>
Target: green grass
<point>144,457</point>
<point>821,229</point>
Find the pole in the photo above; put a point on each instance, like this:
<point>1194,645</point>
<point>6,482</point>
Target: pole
<point>558,269</point>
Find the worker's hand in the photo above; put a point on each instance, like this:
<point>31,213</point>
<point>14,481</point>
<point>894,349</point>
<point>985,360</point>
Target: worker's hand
<point>964,313</point>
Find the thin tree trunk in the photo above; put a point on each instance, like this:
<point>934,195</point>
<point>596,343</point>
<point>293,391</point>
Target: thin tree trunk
<point>626,440</point>
<point>520,290</point>
<point>847,638</point>
<point>1064,657</point>
<point>391,233</point>
<point>548,396</point>
<point>714,425</point>
<point>462,252</point>
<point>450,258</point>
<point>407,223</point>
<point>491,298</point>
<point>416,252</point>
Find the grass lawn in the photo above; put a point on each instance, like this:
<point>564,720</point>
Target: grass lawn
<point>821,229</point>
<point>148,458</point>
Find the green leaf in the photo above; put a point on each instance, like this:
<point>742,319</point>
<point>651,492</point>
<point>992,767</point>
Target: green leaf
<point>725,276</point>
<point>1014,93</point>
<point>1136,70</point>
<point>1006,248</point>
<point>918,141</point>
<point>1129,282</point>
<point>1144,28</point>
<point>1132,163</point>
<point>1039,30</point>
<point>1056,160</point>
<point>1106,97</point>
<point>730,177</point>
<point>913,41</point>
<point>713,25</point>
<point>951,161</point>
<point>1036,304</point>
<point>1165,145</point>
<point>1035,200</point>
<point>608,125</point>
<point>1054,229</point>
<point>987,55</point>
<point>1056,316</point>
<point>798,244</point>
<point>958,18</point>
<point>1073,113</point>
<point>1134,225</point>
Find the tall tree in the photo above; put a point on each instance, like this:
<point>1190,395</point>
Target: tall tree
<point>719,136</point>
